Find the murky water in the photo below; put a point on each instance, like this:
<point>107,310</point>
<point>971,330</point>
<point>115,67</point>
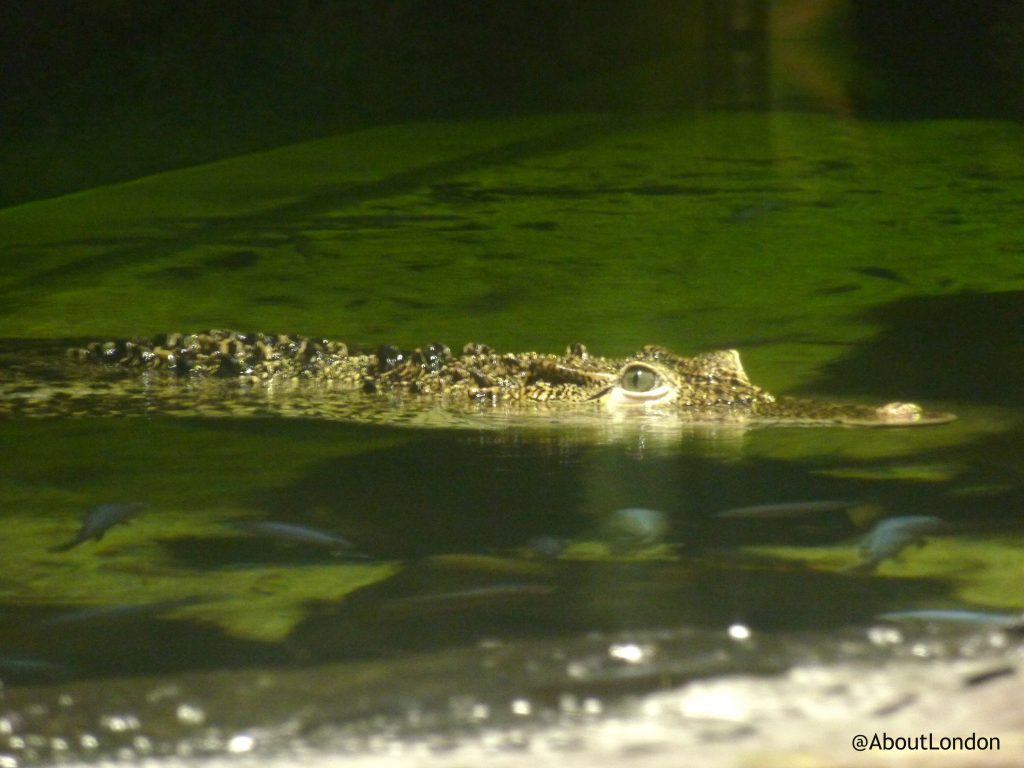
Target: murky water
<point>454,616</point>
<point>490,597</point>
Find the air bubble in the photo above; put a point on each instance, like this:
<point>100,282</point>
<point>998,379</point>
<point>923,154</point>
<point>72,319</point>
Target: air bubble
<point>190,714</point>
<point>521,707</point>
<point>240,743</point>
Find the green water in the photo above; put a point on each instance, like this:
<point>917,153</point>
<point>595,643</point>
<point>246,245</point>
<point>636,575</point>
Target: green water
<point>742,230</point>
<point>867,260</point>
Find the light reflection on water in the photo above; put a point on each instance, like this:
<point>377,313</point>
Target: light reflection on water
<point>576,700</point>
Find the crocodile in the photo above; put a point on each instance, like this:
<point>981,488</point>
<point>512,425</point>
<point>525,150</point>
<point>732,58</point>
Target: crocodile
<point>222,372</point>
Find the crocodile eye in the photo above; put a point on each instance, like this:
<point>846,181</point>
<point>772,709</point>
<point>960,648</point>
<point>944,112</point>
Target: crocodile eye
<point>639,378</point>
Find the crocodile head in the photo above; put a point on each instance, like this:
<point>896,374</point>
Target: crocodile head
<point>715,385</point>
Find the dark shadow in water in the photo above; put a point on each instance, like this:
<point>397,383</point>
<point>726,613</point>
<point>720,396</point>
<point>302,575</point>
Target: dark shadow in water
<point>428,608</point>
<point>211,553</point>
<point>54,645</point>
<point>476,501</point>
<point>443,493</point>
<point>967,347</point>
<point>471,497</point>
<point>465,492</point>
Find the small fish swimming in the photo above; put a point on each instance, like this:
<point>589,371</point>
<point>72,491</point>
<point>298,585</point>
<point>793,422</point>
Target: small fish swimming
<point>891,536</point>
<point>467,599</point>
<point>860,514</point>
<point>999,620</point>
<point>99,520</point>
<point>545,547</point>
<point>114,613</point>
<point>635,527</point>
<point>26,669</point>
<point>787,509</point>
<point>300,534</point>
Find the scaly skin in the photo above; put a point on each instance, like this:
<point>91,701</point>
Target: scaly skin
<point>235,374</point>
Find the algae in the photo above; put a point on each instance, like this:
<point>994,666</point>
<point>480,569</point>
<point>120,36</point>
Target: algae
<point>194,478</point>
<point>655,230</point>
<point>979,570</point>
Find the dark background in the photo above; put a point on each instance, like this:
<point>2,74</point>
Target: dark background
<point>95,91</point>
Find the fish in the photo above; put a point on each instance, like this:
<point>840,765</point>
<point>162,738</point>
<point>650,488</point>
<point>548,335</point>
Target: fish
<point>466,599</point>
<point>546,547</point>
<point>787,509</point>
<point>859,513</point>
<point>634,527</point>
<point>99,520</point>
<point>299,534</point>
<point>958,616</point>
<point>891,536</point>
<point>112,613</point>
<point>19,669</point>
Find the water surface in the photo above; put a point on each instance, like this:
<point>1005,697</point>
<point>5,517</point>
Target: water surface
<point>850,259</point>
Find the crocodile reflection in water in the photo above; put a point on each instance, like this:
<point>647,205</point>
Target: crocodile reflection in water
<point>239,374</point>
